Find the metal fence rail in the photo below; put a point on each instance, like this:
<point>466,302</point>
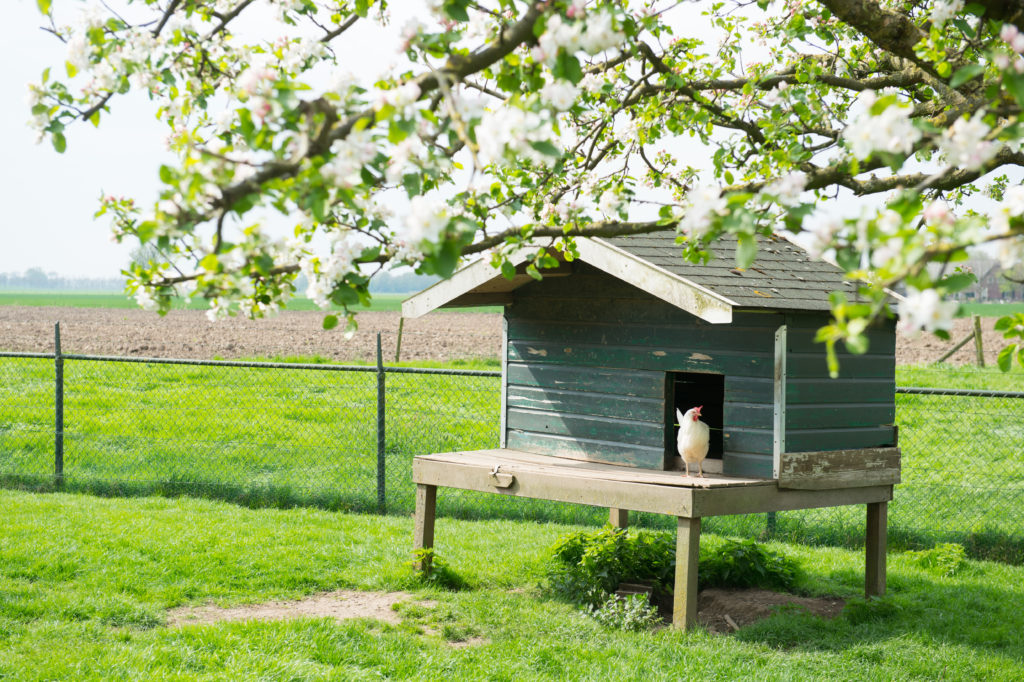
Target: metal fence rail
<point>343,437</point>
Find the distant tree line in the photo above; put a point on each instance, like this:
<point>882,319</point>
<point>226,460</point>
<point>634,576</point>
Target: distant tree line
<point>37,278</point>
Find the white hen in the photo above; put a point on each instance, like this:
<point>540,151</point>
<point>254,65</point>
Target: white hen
<point>693,439</point>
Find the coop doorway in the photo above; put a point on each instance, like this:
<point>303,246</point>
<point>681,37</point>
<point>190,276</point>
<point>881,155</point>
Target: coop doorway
<point>690,389</point>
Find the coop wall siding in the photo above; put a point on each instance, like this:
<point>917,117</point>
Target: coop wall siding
<point>855,410</point>
<point>588,356</point>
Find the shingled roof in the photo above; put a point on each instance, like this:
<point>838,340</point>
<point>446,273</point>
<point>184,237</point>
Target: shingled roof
<point>783,277</point>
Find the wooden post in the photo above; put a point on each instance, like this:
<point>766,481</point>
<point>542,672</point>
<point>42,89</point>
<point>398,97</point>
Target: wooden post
<point>875,545</point>
<point>684,611</point>
<point>426,507</point>
<point>398,344</point>
<point>619,518</point>
<point>978,348</point>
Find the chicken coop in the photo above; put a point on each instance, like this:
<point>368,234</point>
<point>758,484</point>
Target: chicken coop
<point>600,353</point>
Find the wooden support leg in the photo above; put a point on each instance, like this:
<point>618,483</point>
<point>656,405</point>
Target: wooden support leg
<point>684,615</point>
<point>426,506</point>
<point>875,545</point>
<point>618,517</point>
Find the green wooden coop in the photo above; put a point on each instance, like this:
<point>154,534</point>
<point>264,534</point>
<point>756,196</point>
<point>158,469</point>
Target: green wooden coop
<point>599,354</point>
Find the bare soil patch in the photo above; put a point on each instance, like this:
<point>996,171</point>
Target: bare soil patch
<point>340,605</point>
<point>715,607</point>
<point>927,348</point>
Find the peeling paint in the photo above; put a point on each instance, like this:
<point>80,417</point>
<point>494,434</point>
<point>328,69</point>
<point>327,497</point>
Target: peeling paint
<point>700,356</point>
<point>537,351</point>
<point>659,353</point>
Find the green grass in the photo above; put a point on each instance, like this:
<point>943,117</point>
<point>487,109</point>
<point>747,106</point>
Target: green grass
<point>73,299</point>
<point>990,309</point>
<point>281,438</point>
<point>85,585</point>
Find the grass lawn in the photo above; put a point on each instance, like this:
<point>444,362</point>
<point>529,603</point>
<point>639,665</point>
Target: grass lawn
<point>74,299</point>
<point>990,309</point>
<point>280,438</point>
<point>85,584</point>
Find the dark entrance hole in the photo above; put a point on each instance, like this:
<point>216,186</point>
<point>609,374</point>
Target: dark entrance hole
<point>690,389</point>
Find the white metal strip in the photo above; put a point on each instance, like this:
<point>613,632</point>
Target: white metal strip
<point>779,407</point>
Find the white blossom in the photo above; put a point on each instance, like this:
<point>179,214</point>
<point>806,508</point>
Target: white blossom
<point>926,310</point>
<point>890,131</point>
<point>144,297</point>
<point>600,34</point>
<point>561,94</point>
<point>788,188</point>
<point>609,202</point>
<point>705,203</point>
<point>1014,38</point>
<point>944,10</point>
<point>938,213</point>
<point>964,143</point>
<point>427,218</point>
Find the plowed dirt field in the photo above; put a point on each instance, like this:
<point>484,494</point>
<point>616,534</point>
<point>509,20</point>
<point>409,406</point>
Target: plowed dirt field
<point>440,336</point>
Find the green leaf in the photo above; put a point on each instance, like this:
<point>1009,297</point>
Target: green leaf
<point>508,270</point>
<point>965,73</point>
<point>958,281</point>
<point>330,321</point>
<point>166,175</point>
<point>60,143</point>
<point>568,67</point>
<point>1005,359</point>
<point>1004,323</point>
<point>411,182</point>
<point>546,148</point>
<point>71,69</point>
<point>457,10</point>
<point>746,250</point>
<point>44,6</point>
<point>1014,82</point>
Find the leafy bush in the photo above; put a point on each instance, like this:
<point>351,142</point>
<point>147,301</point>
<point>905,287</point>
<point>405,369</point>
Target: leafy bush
<point>946,559</point>
<point>632,613</point>
<point>744,563</point>
<point>591,564</point>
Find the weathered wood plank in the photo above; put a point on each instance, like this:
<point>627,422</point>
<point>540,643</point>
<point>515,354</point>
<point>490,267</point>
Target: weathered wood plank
<point>759,441</point>
<point>812,416</point>
<point>744,464</point>
<point>875,545</point>
<point>590,450</point>
<point>587,427</point>
<point>810,440</point>
<point>684,607</point>
<point>809,365</point>
<point>762,499</point>
<point>800,391</point>
<point>554,486</point>
<point>516,461</point>
<point>587,403</point>
<point>624,382</point>
<point>802,340</point>
<point>840,469</point>
<point>617,333</point>
<point>721,362</point>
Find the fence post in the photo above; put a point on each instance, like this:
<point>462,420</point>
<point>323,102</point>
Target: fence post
<point>398,344</point>
<point>58,408</point>
<point>381,412</point>
<point>978,348</point>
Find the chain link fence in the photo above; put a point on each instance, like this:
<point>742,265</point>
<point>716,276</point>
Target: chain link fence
<point>343,437</point>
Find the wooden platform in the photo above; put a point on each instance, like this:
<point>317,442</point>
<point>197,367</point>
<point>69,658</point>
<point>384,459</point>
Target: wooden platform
<point>689,498</point>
